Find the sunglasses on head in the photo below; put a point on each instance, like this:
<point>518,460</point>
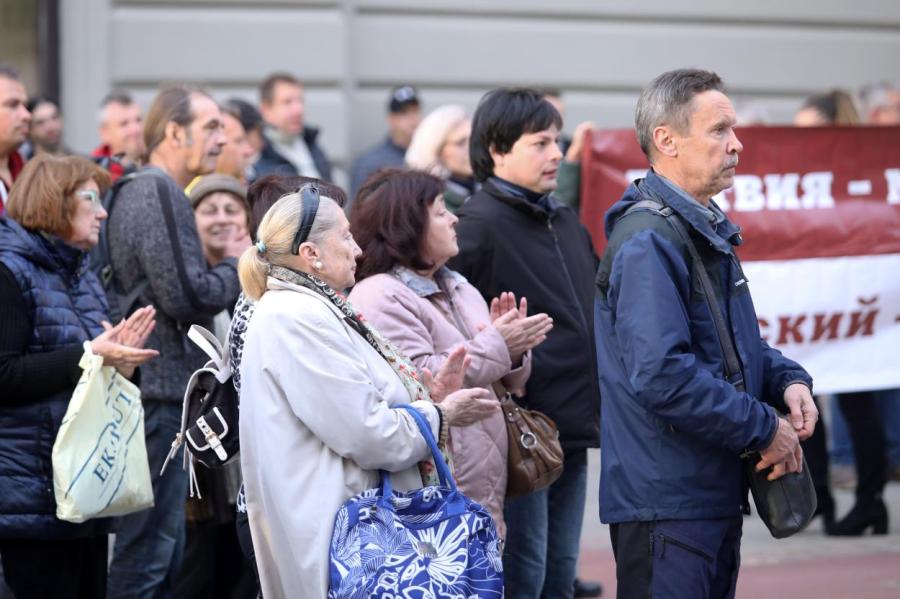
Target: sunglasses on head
<point>309,197</point>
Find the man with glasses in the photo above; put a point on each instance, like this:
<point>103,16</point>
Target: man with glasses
<point>154,246</point>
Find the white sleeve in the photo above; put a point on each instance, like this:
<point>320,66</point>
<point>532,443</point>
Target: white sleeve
<point>328,387</point>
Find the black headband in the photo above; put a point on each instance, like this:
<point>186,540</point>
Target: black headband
<point>309,196</point>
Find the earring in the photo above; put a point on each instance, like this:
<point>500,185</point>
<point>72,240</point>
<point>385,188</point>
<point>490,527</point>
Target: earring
<point>318,265</point>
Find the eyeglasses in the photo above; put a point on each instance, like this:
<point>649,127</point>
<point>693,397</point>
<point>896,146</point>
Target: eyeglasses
<point>92,195</point>
<point>309,196</point>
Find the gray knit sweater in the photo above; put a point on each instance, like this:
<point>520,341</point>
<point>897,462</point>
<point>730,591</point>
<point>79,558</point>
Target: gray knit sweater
<point>184,289</point>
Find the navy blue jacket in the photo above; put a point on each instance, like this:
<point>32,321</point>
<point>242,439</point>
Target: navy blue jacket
<point>270,162</point>
<point>673,429</point>
<point>46,284</point>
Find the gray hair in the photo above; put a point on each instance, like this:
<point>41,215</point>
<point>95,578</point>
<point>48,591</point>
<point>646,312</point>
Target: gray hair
<point>667,101</point>
<point>875,95</point>
<point>116,96</point>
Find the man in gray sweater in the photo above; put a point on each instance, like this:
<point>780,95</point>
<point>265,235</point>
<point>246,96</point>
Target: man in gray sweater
<point>153,241</point>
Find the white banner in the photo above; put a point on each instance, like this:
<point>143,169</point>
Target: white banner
<point>838,317</point>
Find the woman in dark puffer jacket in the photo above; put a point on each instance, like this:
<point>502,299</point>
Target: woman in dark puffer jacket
<point>52,304</point>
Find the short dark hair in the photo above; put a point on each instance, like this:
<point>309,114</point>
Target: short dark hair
<point>264,192</point>
<point>267,87</point>
<point>36,101</point>
<point>389,219</point>
<point>9,72</point>
<point>245,112</point>
<point>667,101</point>
<point>502,117</point>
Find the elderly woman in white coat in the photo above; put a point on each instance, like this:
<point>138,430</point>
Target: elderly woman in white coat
<point>318,385</point>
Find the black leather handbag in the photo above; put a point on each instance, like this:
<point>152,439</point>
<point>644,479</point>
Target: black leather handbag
<point>786,505</point>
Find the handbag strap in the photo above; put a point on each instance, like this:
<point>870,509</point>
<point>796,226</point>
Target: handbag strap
<point>444,474</point>
<point>733,372</point>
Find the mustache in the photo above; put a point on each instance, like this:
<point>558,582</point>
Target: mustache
<point>731,164</point>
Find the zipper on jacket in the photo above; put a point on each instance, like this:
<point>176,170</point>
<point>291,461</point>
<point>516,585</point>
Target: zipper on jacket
<point>666,539</point>
<point>565,268</point>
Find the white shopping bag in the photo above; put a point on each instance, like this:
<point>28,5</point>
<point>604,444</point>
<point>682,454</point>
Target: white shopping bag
<point>100,466</point>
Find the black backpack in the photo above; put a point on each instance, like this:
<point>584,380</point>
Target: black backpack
<point>209,415</point>
<point>121,303</point>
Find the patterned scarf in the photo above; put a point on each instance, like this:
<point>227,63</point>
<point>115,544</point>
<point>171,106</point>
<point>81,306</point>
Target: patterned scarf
<point>400,364</point>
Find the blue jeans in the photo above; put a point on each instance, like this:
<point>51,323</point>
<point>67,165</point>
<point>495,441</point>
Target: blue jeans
<point>150,543</point>
<point>543,533</point>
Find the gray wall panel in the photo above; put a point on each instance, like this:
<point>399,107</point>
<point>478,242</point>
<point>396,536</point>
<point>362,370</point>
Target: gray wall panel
<point>615,55</point>
<point>860,12</point>
<point>225,44</point>
<point>349,52</point>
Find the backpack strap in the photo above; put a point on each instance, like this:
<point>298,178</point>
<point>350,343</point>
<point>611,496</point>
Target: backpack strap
<point>104,270</point>
<point>210,345</point>
<point>654,203</point>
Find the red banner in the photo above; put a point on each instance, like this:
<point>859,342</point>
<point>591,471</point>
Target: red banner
<point>820,211</point>
<point>798,193</point>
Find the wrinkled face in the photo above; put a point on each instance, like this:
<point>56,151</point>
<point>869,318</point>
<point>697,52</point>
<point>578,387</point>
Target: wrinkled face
<point>204,137</point>
<point>810,117</point>
<point>86,219</point>
<point>46,126</point>
<point>237,153</point>
<point>121,128</point>
<point>532,162</point>
<point>707,154</point>
<point>403,124</point>
<point>287,109</point>
<point>14,117</point>
<point>220,216</point>
<point>454,154</point>
<point>439,243</point>
<point>338,252</point>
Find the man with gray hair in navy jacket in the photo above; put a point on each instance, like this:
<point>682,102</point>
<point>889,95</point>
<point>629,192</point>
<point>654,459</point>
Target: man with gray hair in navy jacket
<point>673,430</point>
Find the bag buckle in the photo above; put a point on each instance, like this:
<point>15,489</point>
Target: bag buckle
<point>528,440</point>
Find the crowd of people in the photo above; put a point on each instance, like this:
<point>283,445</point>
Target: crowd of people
<point>457,271</point>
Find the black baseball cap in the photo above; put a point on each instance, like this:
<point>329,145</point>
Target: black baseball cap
<point>402,97</point>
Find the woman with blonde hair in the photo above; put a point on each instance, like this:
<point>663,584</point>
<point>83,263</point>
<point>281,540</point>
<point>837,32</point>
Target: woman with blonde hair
<point>317,387</point>
<point>440,146</point>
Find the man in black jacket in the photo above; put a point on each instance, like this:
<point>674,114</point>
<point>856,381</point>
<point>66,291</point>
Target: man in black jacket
<point>514,236</point>
<point>290,146</point>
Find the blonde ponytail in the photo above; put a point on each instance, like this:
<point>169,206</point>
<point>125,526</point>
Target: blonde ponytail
<point>252,271</point>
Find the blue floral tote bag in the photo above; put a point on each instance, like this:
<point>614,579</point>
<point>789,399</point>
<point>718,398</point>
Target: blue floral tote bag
<point>433,542</point>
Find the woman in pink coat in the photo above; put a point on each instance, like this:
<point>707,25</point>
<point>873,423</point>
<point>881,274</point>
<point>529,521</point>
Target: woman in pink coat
<point>407,235</point>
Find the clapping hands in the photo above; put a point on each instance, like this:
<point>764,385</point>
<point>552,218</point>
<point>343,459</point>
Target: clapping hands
<point>122,345</point>
<point>520,331</point>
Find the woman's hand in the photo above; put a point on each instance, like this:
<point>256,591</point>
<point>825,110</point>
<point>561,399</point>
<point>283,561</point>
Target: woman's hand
<point>122,345</point>
<point>468,406</point>
<point>520,332</point>
<point>450,377</point>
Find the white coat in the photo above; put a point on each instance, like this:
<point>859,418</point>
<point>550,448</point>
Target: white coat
<point>315,427</point>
